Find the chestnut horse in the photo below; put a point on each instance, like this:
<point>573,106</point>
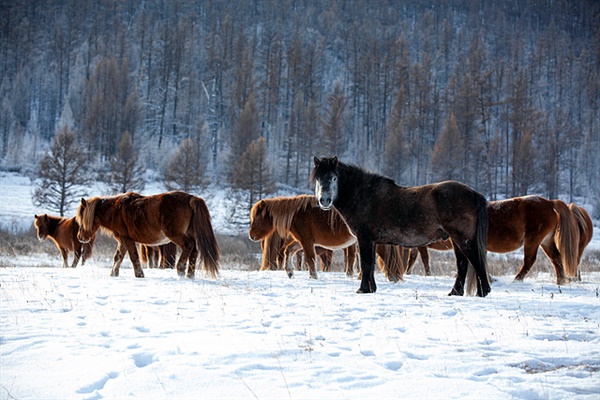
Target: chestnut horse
<point>175,217</point>
<point>378,211</point>
<point>562,231</point>
<point>301,218</point>
<point>63,232</point>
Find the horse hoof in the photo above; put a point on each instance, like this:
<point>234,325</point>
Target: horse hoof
<point>361,291</point>
<point>454,292</point>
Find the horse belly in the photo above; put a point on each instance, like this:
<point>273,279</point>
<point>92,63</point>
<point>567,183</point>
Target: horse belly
<point>155,240</point>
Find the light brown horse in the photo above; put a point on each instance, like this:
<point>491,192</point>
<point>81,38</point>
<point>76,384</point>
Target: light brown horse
<point>530,222</point>
<point>175,217</point>
<point>63,232</point>
<point>301,218</point>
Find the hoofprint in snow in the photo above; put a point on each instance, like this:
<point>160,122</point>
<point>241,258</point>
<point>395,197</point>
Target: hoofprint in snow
<point>78,333</point>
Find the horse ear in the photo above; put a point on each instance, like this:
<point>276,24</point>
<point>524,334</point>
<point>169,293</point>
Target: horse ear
<point>45,217</point>
<point>317,161</point>
<point>83,202</point>
<point>334,161</point>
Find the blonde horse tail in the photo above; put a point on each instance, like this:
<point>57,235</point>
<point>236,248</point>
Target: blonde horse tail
<point>206,241</point>
<point>586,228</point>
<point>566,238</point>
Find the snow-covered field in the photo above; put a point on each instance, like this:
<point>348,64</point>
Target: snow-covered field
<point>78,333</point>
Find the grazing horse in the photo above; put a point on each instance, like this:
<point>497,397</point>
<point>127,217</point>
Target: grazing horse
<point>63,232</point>
<point>163,256</point>
<point>175,217</point>
<point>378,211</point>
<point>302,219</point>
<point>530,222</point>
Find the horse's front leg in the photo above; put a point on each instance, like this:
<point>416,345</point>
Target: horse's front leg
<point>289,250</point>
<point>310,257</point>
<point>366,249</point>
<point>77,255</point>
<point>118,259</point>
<point>350,259</point>
<point>134,257</point>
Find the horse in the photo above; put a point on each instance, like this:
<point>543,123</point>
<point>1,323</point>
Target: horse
<point>176,217</point>
<point>378,211</point>
<point>163,256</point>
<point>63,232</point>
<point>530,222</point>
<point>302,219</point>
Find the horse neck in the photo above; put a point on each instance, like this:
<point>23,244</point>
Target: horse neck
<point>53,223</point>
<point>350,179</point>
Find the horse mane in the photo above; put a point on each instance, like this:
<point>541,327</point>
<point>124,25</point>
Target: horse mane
<point>86,216</point>
<point>354,172</point>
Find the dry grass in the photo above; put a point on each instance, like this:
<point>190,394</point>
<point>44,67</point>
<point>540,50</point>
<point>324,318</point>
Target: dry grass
<point>238,252</point>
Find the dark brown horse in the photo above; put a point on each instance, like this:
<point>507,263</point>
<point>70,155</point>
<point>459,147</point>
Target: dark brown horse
<point>301,218</point>
<point>163,256</point>
<point>380,212</point>
<point>153,220</point>
<point>63,232</point>
<point>530,222</point>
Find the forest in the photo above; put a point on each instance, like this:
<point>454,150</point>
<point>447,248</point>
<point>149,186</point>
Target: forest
<point>503,95</point>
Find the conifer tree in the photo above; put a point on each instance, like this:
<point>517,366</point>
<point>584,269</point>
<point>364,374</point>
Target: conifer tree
<point>184,171</point>
<point>127,172</point>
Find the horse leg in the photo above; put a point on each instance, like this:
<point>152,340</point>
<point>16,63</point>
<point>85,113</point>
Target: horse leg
<point>134,257</point>
<point>65,256</point>
<point>367,260</point>
<point>77,256</point>
<point>483,283</point>
<point>529,257</point>
<point>289,249</point>
<point>350,259</point>
<point>186,249</point>
<point>554,256</point>
<point>310,258</point>
<point>424,253</point>
<point>191,272</point>
<point>118,259</point>
<point>462,265</point>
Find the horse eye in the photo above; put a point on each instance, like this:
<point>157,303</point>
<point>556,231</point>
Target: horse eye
<point>335,179</point>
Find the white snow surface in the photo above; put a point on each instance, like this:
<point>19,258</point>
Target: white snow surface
<point>81,334</point>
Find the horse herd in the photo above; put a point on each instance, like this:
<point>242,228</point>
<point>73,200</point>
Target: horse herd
<point>367,215</point>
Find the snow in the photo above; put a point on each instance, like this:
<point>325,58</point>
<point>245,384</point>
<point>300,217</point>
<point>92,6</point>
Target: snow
<point>79,333</point>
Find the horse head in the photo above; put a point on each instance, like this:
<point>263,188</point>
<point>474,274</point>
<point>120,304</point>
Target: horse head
<point>325,177</point>
<point>41,226</point>
<point>261,223</point>
<point>88,223</point>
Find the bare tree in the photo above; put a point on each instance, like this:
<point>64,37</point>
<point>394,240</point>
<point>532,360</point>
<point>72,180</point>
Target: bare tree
<point>62,174</point>
<point>446,161</point>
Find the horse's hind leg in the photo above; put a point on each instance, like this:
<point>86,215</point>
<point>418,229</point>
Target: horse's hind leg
<point>191,272</point>
<point>424,258</point>
<point>118,259</point>
<point>554,256</point>
<point>186,248</point>
<point>65,256</point>
<point>462,265</point>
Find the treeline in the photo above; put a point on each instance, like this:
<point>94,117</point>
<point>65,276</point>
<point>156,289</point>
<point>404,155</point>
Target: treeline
<point>503,95</point>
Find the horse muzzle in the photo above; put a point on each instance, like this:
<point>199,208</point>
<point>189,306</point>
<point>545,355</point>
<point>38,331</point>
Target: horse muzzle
<point>325,203</point>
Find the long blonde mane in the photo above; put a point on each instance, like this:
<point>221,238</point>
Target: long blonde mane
<point>282,211</point>
<point>85,215</point>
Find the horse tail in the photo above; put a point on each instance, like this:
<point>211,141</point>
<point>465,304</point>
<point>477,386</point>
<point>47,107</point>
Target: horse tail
<point>566,238</point>
<point>481,235</point>
<point>206,241</point>
<point>586,227</point>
